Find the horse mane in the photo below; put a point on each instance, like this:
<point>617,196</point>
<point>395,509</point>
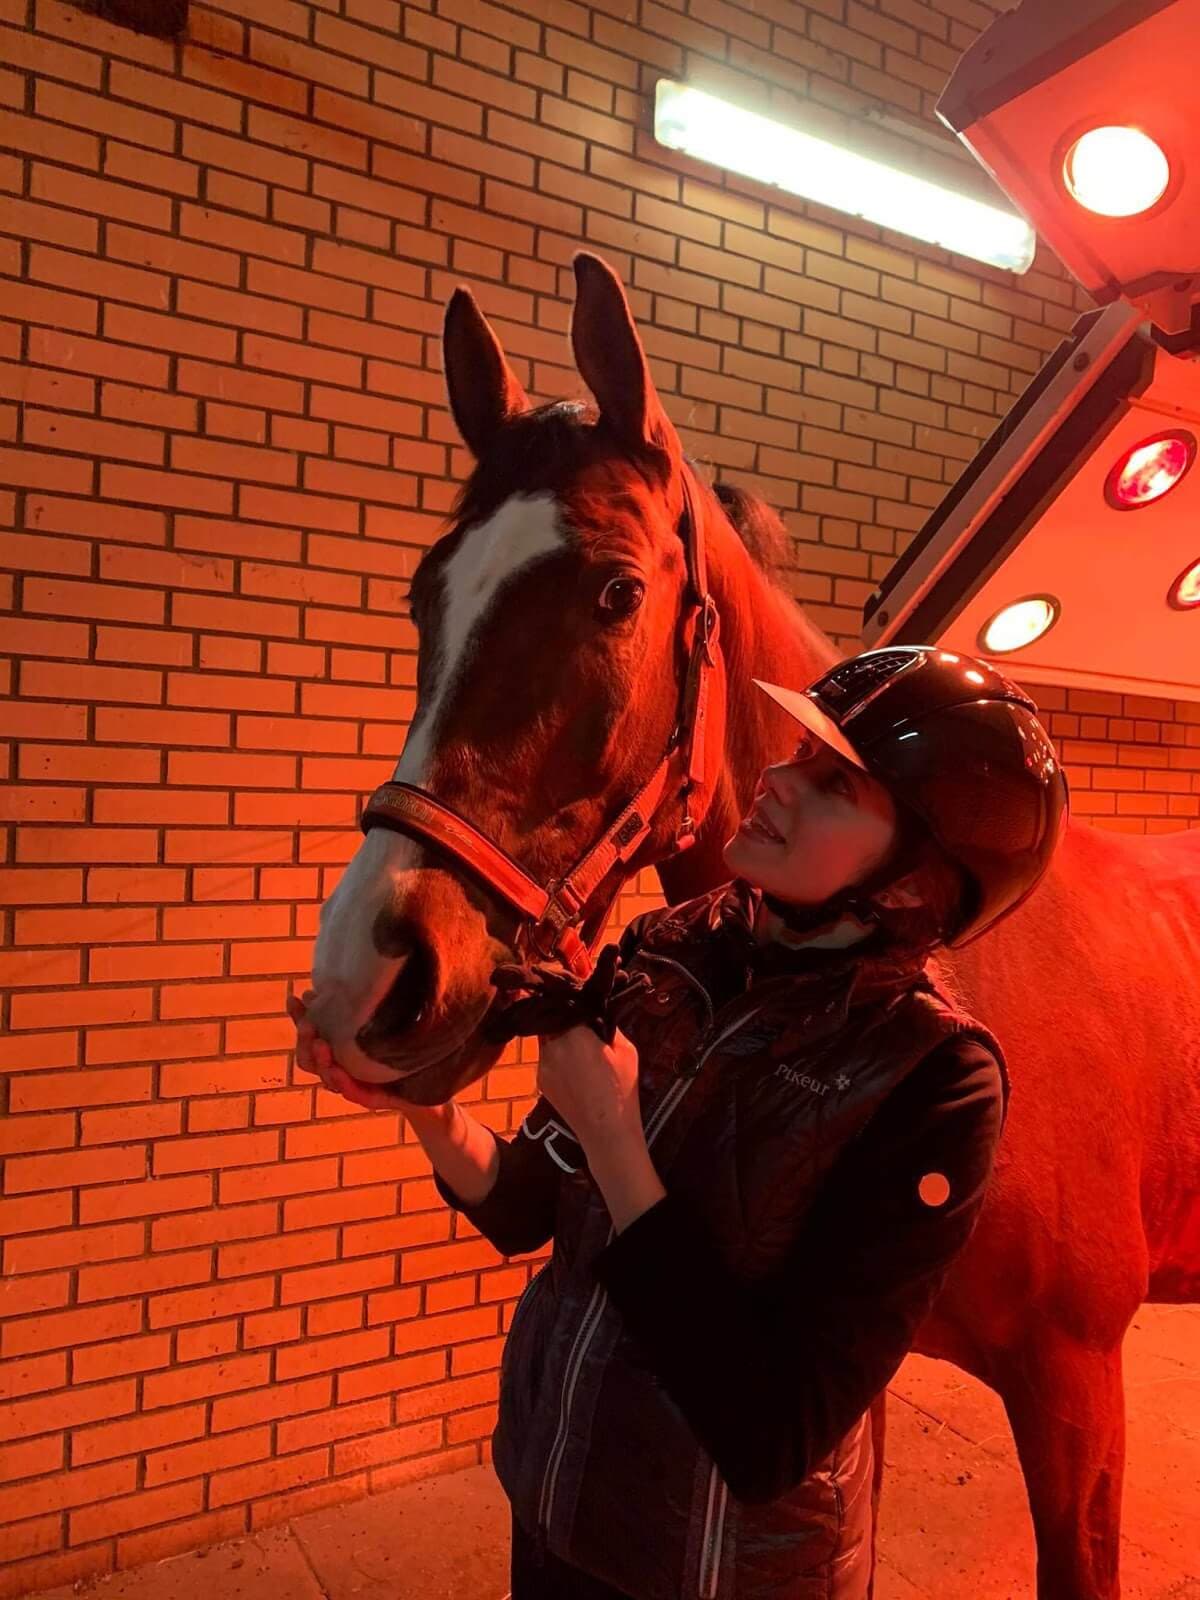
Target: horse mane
<point>758,525</point>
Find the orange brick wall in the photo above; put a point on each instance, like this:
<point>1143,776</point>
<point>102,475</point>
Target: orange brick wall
<point>1133,761</point>
<point>226,1296</point>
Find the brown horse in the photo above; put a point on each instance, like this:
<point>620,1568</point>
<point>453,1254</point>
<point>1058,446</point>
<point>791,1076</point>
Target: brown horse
<point>548,686</point>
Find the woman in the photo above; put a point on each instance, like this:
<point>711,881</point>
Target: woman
<point>786,1145</point>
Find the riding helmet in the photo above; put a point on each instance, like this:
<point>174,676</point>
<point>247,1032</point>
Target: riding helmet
<point>957,744</point>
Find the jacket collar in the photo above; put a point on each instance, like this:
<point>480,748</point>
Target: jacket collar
<point>859,975</point>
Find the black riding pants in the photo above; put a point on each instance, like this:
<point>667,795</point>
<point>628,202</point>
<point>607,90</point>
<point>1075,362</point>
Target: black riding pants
<point>556,1580</point>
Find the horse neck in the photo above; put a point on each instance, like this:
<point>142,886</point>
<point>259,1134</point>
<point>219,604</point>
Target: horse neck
<point>764,634</point>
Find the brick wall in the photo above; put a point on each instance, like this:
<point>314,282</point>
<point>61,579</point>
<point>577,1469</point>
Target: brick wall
<point>1133,761</point>
<point>223,445</point>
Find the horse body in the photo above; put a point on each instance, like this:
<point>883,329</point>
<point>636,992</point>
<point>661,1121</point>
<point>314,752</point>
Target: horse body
<point>1090,986</point>
<point>1096,1198</point>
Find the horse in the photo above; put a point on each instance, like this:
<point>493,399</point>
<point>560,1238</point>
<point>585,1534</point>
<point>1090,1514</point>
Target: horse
<point>552,658</point>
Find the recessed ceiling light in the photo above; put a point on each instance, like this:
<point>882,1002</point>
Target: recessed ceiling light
<point>1018,625</point>
<point>1185,591</point>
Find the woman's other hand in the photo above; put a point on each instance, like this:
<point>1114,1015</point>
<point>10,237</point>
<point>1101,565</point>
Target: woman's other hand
<point>594,1088</point>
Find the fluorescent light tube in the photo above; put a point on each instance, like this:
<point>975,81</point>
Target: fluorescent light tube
<point>710,129</point>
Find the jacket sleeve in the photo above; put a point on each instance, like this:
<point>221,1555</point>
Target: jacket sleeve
<point>518,1214</point>
<point>771,1376</point>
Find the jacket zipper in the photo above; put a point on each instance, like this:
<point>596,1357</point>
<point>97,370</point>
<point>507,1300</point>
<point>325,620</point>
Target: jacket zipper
<point>587,1327</point>
<point>591,1319</point>
<point>714,1530</point>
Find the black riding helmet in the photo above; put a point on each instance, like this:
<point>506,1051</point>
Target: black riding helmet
<point>959,747</point>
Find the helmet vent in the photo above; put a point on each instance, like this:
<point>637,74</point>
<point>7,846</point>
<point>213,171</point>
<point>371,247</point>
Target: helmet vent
<point>853,680</point>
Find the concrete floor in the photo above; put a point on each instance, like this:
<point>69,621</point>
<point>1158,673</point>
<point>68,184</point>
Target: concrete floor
<point>954,1521</point>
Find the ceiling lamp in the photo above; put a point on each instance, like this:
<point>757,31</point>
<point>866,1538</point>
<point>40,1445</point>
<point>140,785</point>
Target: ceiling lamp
<point>1116,172</point>
<point>1185,591</point>
<point>1018,625</point>
<point>1150,470</point>
<point>848,174</point>
<point>1084,113</point>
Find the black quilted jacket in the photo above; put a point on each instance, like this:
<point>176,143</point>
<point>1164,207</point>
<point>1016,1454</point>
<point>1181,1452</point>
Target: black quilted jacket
<point>682,1407</point>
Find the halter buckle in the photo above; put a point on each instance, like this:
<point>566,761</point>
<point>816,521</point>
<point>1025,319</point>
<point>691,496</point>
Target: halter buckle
<point>709,626</point>
<point>563,908</point>
<point>685,833</point>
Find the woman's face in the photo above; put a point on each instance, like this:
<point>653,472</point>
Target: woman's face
<point>818,823</point>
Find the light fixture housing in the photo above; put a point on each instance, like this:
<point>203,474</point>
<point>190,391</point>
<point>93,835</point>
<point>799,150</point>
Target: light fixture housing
<point>816,157</point>
<point>1028,518</point>
<point>1150,469</point>
<point>1050,95</point>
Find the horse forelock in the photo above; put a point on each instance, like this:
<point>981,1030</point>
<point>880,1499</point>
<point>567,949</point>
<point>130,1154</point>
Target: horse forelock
<point>557,448</point>
<point>542,451</point>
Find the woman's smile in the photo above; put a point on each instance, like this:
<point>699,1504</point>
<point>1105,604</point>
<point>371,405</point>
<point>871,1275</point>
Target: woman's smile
<point>816,825</point>
<point>761,827</point>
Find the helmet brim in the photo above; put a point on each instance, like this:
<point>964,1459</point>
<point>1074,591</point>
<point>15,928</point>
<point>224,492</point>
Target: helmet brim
<point>804,709</point>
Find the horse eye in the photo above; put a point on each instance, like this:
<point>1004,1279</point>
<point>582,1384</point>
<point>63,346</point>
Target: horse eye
<point>620,597</point>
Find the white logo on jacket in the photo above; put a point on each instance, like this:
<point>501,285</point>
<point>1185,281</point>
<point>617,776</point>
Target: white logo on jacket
<point>803,1080</point>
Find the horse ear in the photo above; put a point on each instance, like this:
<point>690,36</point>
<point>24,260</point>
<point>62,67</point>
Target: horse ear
<point>611,361</point>
<point>483,389</point>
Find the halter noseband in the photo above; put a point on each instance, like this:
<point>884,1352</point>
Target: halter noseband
<point>551,911</point>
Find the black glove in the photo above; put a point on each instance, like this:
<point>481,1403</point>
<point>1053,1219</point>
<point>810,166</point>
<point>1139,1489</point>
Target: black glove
<point>555,1000</point>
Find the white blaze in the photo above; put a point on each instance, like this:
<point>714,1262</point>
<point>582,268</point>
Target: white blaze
<point>350,976</point>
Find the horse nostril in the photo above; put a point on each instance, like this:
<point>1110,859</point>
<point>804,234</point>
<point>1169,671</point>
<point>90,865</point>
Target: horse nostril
<point>407,1001</point>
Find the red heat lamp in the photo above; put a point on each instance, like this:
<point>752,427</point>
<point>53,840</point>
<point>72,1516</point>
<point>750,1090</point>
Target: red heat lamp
<point>1084,113</point>
<point>1150,470</point>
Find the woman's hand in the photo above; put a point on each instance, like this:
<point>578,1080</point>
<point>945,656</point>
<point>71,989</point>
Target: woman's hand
<point>594,1088</point>
<point>313,1054</point>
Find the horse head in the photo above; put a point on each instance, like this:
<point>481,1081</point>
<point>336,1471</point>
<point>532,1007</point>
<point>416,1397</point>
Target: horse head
<point>550,669</point>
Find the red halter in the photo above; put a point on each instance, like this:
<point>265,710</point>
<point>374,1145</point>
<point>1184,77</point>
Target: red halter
<point>551,911</point>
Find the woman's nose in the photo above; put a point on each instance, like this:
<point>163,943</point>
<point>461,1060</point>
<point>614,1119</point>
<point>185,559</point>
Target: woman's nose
<point>783,780</point>
<point>780,785</point>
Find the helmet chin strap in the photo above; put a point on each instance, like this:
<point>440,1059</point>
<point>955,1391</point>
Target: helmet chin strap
<point>867,902</point>
<point>811,920</point>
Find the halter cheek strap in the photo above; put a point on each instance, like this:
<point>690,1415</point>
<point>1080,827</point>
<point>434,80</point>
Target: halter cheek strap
<point>855,899</point>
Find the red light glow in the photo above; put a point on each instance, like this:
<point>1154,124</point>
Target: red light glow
<point>1116,172</point>
<point>1185,591</point>
<point>1150,470</point>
